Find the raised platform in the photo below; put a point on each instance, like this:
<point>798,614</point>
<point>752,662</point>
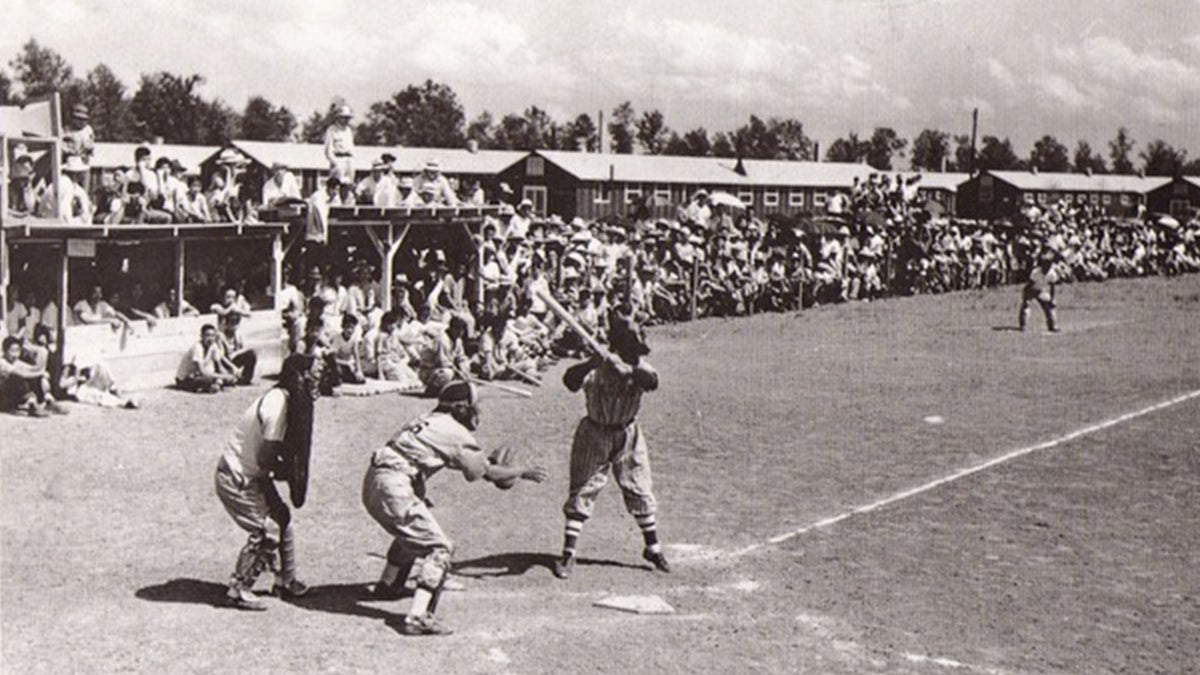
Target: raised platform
<point>145,358</point>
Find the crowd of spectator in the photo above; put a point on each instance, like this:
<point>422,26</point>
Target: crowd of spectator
<point>478,310</point>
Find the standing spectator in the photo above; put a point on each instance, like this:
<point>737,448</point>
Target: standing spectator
<point>79,140</point>
<point>339,145</point>
<point>21,198</point>
<point>73,202</point>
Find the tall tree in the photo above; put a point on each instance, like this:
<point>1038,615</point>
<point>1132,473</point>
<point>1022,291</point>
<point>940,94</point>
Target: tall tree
<point>696,143</point>
<point>218,123</point>
<point>582,134</point>
<point>168,106</point>
<point>483,130</point>
<point>930,150</point>
<point>848,150</point>
<point>428,115</point>
<point>1087,160</point>
<point>652,132</point>
<point>1192,168</point>
<point>620,129</point>
<point>756,140</point>
<point>997,154</point>
<point>5,88</point>
<point>41,70</point>
<point>313,129</point>
<point>1160,159</point>
<point>262,121</point>
<point>884,143</point>
<point>108,105</point>
<point>1118,152</point>
<point>722,145</point>
<point>1050,155</point>
<point>964,159</point>
<point>790,141</point>
<point>532,130</point>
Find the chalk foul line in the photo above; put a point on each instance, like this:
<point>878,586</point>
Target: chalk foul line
<point>963,473</point>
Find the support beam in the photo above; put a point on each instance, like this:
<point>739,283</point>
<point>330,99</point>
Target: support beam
<point>478,264</point>
<point>277,253</point>
<point>180,275</point>
<point>5,274</point>
<point>64,306</point>
<point>388,263</point>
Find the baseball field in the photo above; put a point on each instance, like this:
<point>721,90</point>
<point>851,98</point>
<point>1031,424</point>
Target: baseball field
<point>902,486</point>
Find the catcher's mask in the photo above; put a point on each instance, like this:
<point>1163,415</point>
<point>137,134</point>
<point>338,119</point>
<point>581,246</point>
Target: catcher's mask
<point>458,399</point>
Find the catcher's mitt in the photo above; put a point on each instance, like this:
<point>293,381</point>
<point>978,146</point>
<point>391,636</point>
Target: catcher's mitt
<point>504,456</point>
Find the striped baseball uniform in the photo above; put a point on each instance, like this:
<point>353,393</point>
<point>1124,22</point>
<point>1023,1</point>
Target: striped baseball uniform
<point>609,437</point>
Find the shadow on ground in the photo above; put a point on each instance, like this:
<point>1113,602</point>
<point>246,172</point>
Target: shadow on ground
<point>517,564</point>
<point>188,591</point>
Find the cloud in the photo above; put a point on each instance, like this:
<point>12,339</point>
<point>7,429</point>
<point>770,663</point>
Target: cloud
<point>1061,90</point>
<point>1122,73</point>
<point>967,104</point>
<point>1001,73</point>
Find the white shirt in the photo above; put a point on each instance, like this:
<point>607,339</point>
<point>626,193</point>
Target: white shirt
<point>265,420</point>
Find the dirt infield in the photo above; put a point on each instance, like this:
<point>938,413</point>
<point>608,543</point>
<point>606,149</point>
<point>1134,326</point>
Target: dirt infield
<point>1081,557</point>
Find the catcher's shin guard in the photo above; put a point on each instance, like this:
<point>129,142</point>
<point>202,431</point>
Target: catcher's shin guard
<point>287,555</point>
<point>257,556</point>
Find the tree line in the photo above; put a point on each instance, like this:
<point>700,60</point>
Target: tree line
<point>169,106</point>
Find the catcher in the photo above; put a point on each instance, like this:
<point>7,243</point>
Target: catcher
<point>272,441</point>
<point>394,495</point>
<point>608,437</point>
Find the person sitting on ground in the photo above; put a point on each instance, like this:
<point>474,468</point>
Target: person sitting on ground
<point>94,385</point>
<point>443,357</point>
<point>95,310</point>
<point>200,368</point>
<point>392,358</point>
<point>234,350</point>
<point>347,353</point>
<point>24,387</point>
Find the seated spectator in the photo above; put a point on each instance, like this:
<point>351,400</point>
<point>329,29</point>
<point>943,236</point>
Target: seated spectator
<point>346,350</point>
<point>232,304</point>
<point>282,189</point>
<point>139,305</point>
<point>24,387</point>
<point>94,385</point>
<point>74,205</point>
<point>22,199</point>
<point>160,207</point>
<point>195,203</point>
<point>239,359</point>
<point>165,309</point>
<point>95,310</point>
<point>200,367</point>
<point>435,188</point>
<point>392,355</point>
<point>443,357</point>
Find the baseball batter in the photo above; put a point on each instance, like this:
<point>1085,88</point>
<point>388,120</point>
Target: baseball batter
<point>1040,287</point>
<point>271,442</point>
<point>609,438</point>
<point>394,494</point>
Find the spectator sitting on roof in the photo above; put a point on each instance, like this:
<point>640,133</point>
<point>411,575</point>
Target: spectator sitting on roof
<point>195,204</point>
<point>143,172</point>
<point>365,191</point>
<point>431,175</point>
<point>339,144</point>
<point>21,200</point>
<point>73,203</point>
<point>160,194</point>
<point>223,199</point>
<point>282,189</point>
<point>475,196</point>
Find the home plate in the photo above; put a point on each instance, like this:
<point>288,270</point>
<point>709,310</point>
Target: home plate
<point>934,419</point>
<point>638,604</point>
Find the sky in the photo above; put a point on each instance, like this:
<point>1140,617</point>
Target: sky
<point>1076,69</point>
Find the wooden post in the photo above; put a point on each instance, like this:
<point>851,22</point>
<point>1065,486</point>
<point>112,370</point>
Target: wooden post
<point>64,274</point>
<point>386,270</point>
<point>180,274</point>
<point>695,283</point>
<point>277,254</point>
<point>5,274</point>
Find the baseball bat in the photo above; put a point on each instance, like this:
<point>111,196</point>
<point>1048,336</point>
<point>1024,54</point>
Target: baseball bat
<point>495,385</point>
<point>562,313</point>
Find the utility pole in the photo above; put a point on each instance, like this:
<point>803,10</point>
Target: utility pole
<point>974,132</point>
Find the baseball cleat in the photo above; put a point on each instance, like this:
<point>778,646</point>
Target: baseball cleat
<point>655,558</point>
<point>291,589</point>
<point>240,598</point>
<point>423,625</point>
<point>564,566</point>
